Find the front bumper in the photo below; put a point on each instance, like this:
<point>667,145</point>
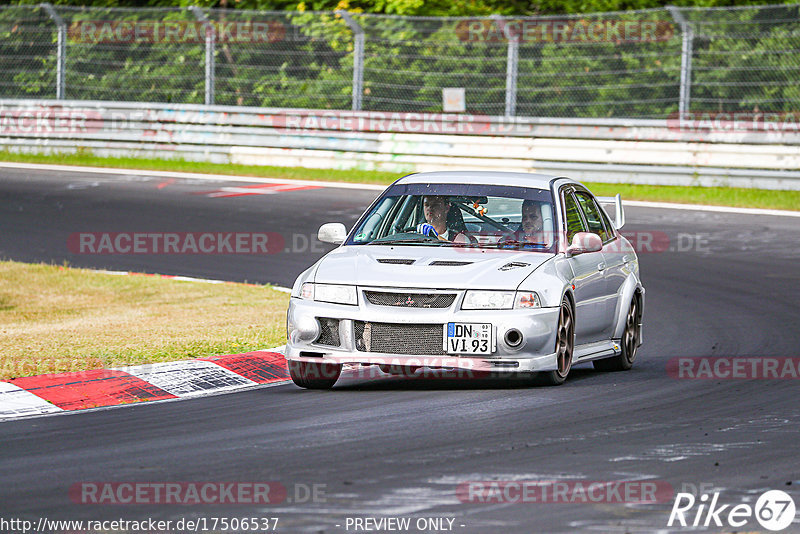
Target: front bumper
<point>333,333</point>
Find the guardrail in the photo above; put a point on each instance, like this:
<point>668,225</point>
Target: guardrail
<point>692,151</point>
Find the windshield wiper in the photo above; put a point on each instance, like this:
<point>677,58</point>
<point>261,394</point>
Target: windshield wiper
<point>512,243</point>
<point>420,239</point>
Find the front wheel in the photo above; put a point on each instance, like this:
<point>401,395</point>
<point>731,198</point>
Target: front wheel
<point>565,344</point>
<point>313,375</point>
<point>631,337</point>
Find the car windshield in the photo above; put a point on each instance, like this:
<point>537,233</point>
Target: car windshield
<point>466,215</point>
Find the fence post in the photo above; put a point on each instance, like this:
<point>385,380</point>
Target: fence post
<point>685,95</point>
<point>358,57</point>
<point>62,48</point>
<point>512,66</point>
<point>210,48</point>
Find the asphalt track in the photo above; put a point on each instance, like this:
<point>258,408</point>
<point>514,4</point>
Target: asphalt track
<point>727,285</point>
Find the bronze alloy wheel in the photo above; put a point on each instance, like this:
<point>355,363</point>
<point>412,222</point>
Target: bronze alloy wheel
<point>565,345</point>
<point>631,338</point>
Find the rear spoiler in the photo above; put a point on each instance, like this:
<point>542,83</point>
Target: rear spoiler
<point>619,213</point>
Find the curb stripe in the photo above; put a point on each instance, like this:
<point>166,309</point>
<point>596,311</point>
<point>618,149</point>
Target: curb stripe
<point>16,402</point>
<point>188,378</point>
<point>90,389</point>
<point>260,367</point>
<point>100,388</point>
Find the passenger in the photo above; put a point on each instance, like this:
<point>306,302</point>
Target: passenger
<point>531,229</point>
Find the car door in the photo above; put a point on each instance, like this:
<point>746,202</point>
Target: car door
<point>612,262</point>
<point>590,286</point>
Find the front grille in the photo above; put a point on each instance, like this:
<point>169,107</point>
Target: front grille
<point>328,332</point>
<point>410,300</point>
<point>415,339</point>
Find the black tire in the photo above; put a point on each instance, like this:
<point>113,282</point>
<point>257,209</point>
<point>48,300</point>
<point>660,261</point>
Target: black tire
<point>631,337</point>
<point>565,345</point>
<point>312,375</point>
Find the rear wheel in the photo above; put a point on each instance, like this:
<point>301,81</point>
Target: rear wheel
<point>631,337</point>
<point>312,375</point>
<point>565,344</point>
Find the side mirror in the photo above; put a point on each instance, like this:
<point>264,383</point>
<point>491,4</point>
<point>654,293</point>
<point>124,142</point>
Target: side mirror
<point>332,233</point>
<point>584,242</point>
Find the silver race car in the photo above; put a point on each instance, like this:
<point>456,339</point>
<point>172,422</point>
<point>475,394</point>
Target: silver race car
<point>479,271</point>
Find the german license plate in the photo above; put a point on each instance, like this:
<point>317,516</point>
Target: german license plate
<point>469,338</point>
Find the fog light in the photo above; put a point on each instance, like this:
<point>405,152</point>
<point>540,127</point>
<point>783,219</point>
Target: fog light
<point>306,329</point>
<point>513,338</point>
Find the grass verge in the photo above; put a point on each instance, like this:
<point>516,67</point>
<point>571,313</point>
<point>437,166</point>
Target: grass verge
<point>719,196</point>
<point>56,319</point>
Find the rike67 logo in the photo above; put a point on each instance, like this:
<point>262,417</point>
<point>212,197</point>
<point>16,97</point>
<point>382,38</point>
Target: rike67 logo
<point>774,510</point>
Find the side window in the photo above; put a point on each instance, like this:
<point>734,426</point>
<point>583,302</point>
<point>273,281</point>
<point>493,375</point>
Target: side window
<point>593,216</point>
<point>573,214</point>
<point>612,232</point>
<point>371,228</point>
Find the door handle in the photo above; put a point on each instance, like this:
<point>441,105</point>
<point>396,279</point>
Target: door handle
<point>601,266</point>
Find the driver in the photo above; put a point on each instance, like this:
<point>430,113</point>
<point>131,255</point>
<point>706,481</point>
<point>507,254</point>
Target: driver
<point>435,208</point>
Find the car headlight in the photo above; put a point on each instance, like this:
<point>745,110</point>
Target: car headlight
<point>488,300</point>
<point>500,300</point>
<point>333,293</point>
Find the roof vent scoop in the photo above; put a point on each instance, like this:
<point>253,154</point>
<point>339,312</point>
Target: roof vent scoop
<point>513,265</point>
<point>396,261</point>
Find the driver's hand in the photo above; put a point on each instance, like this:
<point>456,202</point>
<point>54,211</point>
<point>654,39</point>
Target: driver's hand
<point>427,229</point>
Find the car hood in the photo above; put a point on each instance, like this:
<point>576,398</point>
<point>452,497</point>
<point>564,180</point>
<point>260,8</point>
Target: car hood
<point>428,267</point>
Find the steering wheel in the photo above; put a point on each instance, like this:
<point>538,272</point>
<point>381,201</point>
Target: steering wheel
<point>470,238</point>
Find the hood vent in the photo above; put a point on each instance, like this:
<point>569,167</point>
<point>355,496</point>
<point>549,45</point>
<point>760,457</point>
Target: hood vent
<point>513,265</point>
<point>443,263</point>
<point>396,261</point>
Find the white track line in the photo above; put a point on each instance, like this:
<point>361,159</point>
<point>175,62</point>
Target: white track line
<point>367,187</point>
<point>187,279</point>
<point>702,207</point>
<point>186,175</point>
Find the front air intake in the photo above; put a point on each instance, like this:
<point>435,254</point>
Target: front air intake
<point>396,261</point>
<point>410,300</point>
<point>415,339</point>
<point>443,263</point>
<point>328,332</point>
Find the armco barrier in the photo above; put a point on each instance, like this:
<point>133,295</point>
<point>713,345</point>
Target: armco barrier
<point>608,150</point>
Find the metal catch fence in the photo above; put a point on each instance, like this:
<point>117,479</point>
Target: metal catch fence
<point>639,64</point>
